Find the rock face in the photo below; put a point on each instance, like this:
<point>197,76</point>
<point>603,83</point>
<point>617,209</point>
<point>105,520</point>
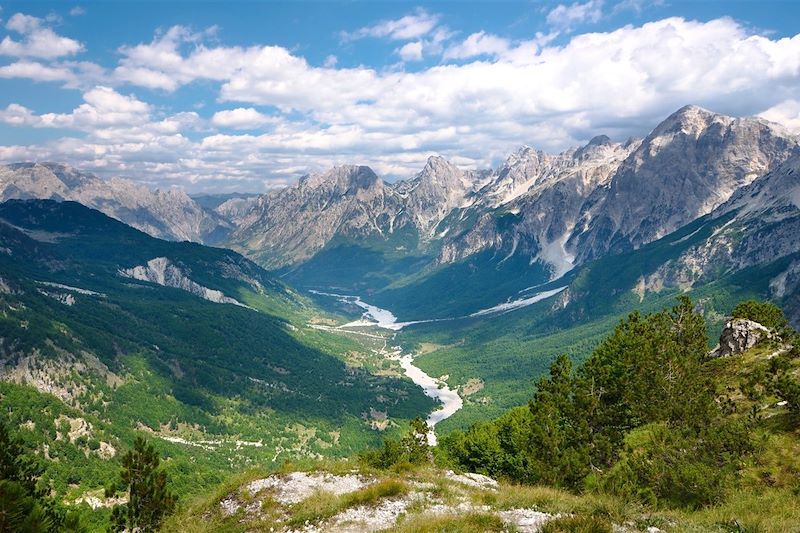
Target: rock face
<point>433,193</point>
<point>290,225</point>
<point>162,271</point>
<point>693,162</point>
<point>167,214</point>
<point>533,202</point>
<point>759,224</point>
<point>738,336</point>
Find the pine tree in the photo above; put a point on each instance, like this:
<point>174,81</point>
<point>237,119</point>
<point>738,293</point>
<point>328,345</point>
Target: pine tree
<point>149,499</point>
<point>23,506</point>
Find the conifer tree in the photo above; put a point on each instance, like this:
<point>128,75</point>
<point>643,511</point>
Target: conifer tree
<point>149,499</point>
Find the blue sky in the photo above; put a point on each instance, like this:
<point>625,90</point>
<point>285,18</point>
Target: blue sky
<point>246,96</point>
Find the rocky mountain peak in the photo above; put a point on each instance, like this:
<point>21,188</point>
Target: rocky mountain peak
<point>597,144</point>
<point>344,179</point>
<point>688,119</point>
<point>689,165</point>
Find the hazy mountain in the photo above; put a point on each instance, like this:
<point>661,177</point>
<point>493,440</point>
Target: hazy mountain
<point>169,214</point>
<point>292,224</point>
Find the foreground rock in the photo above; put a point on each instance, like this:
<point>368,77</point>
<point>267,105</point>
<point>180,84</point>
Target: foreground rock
<point>274,503</point>
<point>738,336</point>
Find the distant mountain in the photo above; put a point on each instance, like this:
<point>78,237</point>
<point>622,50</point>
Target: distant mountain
<point>490,233</point>
<point>290,225</point>
<point>168,214</point>
<point>531,220</point>
<point>213,201</point>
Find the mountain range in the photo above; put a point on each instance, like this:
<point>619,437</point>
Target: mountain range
<point>497,231</point>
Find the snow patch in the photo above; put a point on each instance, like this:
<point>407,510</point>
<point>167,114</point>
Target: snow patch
<point>555,254</point>
<point>517,304</point>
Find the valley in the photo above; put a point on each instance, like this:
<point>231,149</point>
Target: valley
<point>315,323</point>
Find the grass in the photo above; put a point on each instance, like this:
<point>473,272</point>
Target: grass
<point>577,524</point>
<point>764,511</point>
<point>466,523</point>
<point>323,505</point>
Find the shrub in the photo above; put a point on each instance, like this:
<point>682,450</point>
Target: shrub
<point>764,313</point>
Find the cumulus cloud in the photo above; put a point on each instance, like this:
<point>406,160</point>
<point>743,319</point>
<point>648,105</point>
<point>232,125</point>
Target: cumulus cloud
<point>566,17</point>
<point>487,96</point>
<point>241,118</point>
<point>37,39</point>
<point>77,11</point>
<point>786,113</point>
<point>477,44</point>
<point>409,27</point>
<point>411,51</point>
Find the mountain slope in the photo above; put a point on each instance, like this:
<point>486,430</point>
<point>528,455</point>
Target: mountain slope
<point>290,225</point>
<point>690,164</point>
<point>198,347</point>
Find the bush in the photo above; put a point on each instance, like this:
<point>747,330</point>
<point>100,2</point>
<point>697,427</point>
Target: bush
<point>764,313</point>
<point>677,467</point>
<point>412,449</point>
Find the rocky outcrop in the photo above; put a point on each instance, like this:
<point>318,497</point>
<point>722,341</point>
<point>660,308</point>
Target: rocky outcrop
<point>738,336</point>
<point>162,271</point>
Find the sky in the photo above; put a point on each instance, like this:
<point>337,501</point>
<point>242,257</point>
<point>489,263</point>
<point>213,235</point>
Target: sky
<point>247,96</point>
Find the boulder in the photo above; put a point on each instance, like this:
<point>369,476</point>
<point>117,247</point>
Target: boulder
<point>738,336</point>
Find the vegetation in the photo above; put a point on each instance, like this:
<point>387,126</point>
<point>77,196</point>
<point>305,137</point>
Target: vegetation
<point>639,419</point>
<point>412,449</point>
<point>128,359</point>
<point>149,499</point>
<point>24,504</point>
<point>764,313</point>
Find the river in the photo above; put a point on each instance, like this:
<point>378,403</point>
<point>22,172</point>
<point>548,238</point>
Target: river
<point>433,387</point>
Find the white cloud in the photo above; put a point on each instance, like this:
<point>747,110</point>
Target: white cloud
<point>330,61</point>
<point>496,95</point>
<point>37,40</point>
<point>241,118</point>
<point>477,44</point>
<point>566,17</point>
<point>37,71</point>
<point>786,113</point>
<point>77,11</point>
<point>17,115</point>
<point>405,28</point>
<point>411,51</point>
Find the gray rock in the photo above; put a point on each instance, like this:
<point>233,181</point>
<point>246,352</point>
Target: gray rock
<point>738,336</point>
